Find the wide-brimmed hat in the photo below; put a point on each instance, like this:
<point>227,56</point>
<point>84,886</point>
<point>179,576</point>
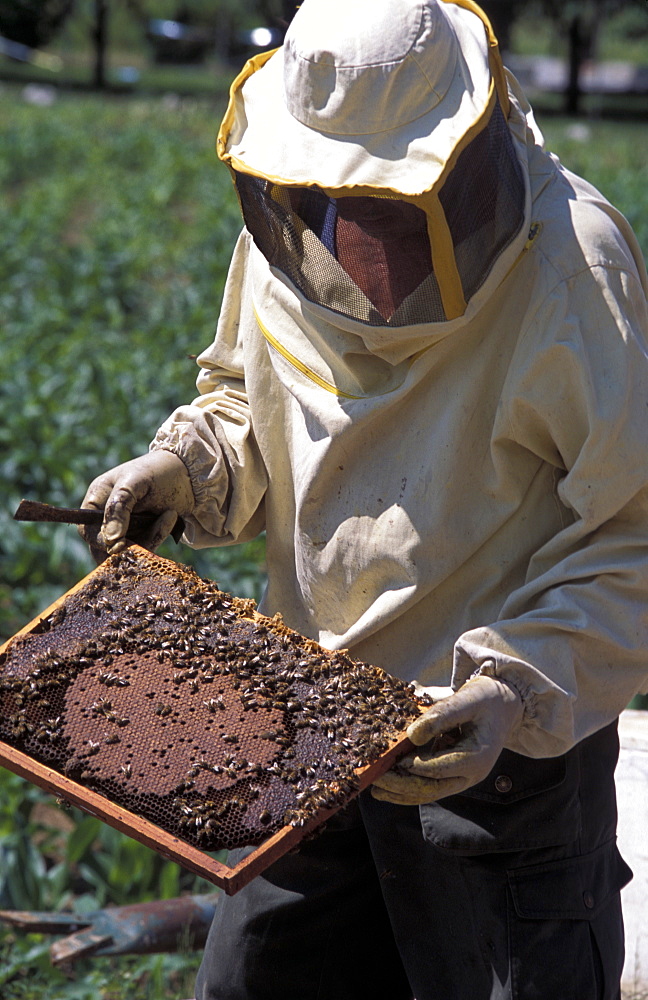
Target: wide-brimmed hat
<point>378,95</point>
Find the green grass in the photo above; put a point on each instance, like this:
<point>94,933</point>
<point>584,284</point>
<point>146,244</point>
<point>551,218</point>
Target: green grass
<point>613,156</point>
<point>116,231</point>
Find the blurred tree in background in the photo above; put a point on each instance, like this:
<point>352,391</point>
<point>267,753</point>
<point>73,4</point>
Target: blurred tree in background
<point>195,27</point>
<point>580,22</point>
<point>577,23</point>
<point>186,31</point>
<point>33,22</point>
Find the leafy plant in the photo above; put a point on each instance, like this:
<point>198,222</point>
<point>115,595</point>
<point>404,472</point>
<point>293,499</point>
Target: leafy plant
<point>27,974</point>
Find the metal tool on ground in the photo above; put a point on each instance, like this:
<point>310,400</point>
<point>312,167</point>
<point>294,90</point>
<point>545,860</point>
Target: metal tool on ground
<point>140,929</point>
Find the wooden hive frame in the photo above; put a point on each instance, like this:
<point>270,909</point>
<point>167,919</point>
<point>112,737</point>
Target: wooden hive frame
<point>230,879</point>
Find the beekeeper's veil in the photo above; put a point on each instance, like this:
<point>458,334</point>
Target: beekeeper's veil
<point>372,157</point>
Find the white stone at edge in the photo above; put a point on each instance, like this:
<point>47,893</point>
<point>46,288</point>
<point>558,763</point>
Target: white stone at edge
<point>632,794</point>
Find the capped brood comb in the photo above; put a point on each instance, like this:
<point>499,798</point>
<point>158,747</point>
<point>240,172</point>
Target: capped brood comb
<point>184,718</point>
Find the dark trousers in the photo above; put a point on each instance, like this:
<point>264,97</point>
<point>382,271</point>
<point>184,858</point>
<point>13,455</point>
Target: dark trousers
<point>509,891</point>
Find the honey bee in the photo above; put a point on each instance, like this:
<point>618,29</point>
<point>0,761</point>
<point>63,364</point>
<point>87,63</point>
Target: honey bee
<point>112,680</point>
<point>102,707</point>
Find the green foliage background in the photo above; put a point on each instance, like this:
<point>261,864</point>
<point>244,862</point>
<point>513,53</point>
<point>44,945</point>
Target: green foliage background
<point>115,237</point>
<point>116,230</point>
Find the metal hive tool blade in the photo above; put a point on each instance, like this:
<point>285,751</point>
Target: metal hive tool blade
<point>179,715</point>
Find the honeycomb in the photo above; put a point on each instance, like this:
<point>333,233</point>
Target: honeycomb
<point>184,706</point>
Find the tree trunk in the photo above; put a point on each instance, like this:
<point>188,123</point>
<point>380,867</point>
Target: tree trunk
<point>100,40</point>
<point>501,14</point>
<point>577,46</point>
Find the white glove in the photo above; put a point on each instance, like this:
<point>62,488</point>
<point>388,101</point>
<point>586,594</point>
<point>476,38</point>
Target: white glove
<point>157,482</point>
<point>488,710</point>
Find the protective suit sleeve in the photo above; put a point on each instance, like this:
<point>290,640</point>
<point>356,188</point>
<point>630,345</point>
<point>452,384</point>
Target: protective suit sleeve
<point>214,435</point>
<point>573,639</point>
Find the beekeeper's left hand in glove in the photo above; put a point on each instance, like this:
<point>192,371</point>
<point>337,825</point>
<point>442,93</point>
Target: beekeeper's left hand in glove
<point>488,710</point>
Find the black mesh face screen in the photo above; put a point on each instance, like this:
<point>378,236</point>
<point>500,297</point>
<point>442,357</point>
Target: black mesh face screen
<point>483,201</point>
<point>366,258</point>
<point>369,258</point>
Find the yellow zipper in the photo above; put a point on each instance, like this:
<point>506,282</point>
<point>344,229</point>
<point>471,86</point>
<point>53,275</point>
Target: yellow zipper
<point>534,232</point>
<point>299,365</point>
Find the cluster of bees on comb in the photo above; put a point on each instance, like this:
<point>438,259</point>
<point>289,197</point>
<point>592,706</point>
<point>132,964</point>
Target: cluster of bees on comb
<point>185,706</point>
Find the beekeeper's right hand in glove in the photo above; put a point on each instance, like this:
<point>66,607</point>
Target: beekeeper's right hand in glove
<point>157,482</point>
<point>485,712</point>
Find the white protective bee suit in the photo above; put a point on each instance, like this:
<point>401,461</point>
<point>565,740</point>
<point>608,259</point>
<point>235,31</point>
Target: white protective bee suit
<point>449,455</point>
<point>437,494</point>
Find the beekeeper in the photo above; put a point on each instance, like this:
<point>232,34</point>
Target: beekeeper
<point>429,384</point>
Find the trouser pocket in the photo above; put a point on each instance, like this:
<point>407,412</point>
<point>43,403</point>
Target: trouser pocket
<point>523,804</point>
<point>565,927</point>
